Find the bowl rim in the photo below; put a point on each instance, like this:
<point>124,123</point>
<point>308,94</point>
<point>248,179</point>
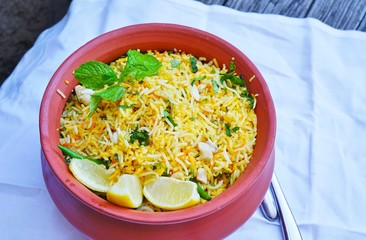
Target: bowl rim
<point>131,215</point>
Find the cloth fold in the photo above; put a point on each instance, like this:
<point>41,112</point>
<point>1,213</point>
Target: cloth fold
<point>316,75</point>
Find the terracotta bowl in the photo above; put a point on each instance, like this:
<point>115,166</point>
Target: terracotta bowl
<point>100,219</point>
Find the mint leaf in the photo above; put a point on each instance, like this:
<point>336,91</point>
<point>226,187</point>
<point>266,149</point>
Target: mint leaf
<point>113,93</point>
<point>94,102</point>
<point>95,75</point>
<point>140,65</point>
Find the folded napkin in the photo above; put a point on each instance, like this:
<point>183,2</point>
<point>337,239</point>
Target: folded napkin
<point>316,74</point>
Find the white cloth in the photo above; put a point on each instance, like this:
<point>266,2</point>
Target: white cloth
<point>315,73</point>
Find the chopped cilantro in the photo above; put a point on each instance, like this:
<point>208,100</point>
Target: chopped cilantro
<point>193,62</point>
<point>249,98</point>
<point>234,79</point>
<point>169,117</point>
<point>197,79</point>
<point>228,131</point>
<point>235,129</point>
<point>141,136</point>
<point>232,66</point>
<point>126,106</point>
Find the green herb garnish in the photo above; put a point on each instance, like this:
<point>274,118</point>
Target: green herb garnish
<point>141,136</point>
<point>169,117</point>
<point>228,131</point>
<point>124,107</point>
<point>97,75</point>
<point>198,79</point>
<point>249,98</point>
<point>234,79</point>
<point>112,93</point>
<point>235,129</point>
<point>94,102</point>
<point>232,66</point>
<point>140,65</point>
<point>193,62</point>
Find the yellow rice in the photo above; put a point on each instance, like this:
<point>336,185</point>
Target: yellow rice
<point>172,150</point>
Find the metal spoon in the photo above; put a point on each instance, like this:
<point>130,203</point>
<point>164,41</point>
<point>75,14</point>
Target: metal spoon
<point>275,200</point>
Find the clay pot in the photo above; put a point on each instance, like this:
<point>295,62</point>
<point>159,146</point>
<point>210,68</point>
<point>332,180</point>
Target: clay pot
<point>100,219</point>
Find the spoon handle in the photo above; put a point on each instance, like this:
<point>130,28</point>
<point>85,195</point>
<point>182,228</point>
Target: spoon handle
<point>288,223</point>
<point>269,206</point>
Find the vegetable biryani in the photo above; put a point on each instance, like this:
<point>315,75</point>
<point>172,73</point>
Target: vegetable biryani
<point>162,114</point>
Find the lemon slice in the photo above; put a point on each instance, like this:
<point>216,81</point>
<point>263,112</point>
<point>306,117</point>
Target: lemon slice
<point>92,175</point>
<point>171,194</point>
<point>126,192</point>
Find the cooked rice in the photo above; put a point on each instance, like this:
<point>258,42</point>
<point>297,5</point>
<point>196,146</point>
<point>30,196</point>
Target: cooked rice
<point>171,150</point>
<point>61,93</point>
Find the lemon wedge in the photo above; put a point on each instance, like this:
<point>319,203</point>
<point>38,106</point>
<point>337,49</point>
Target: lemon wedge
<point>92,175</point>
<point>126,192</point>
<point>171,194</point>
